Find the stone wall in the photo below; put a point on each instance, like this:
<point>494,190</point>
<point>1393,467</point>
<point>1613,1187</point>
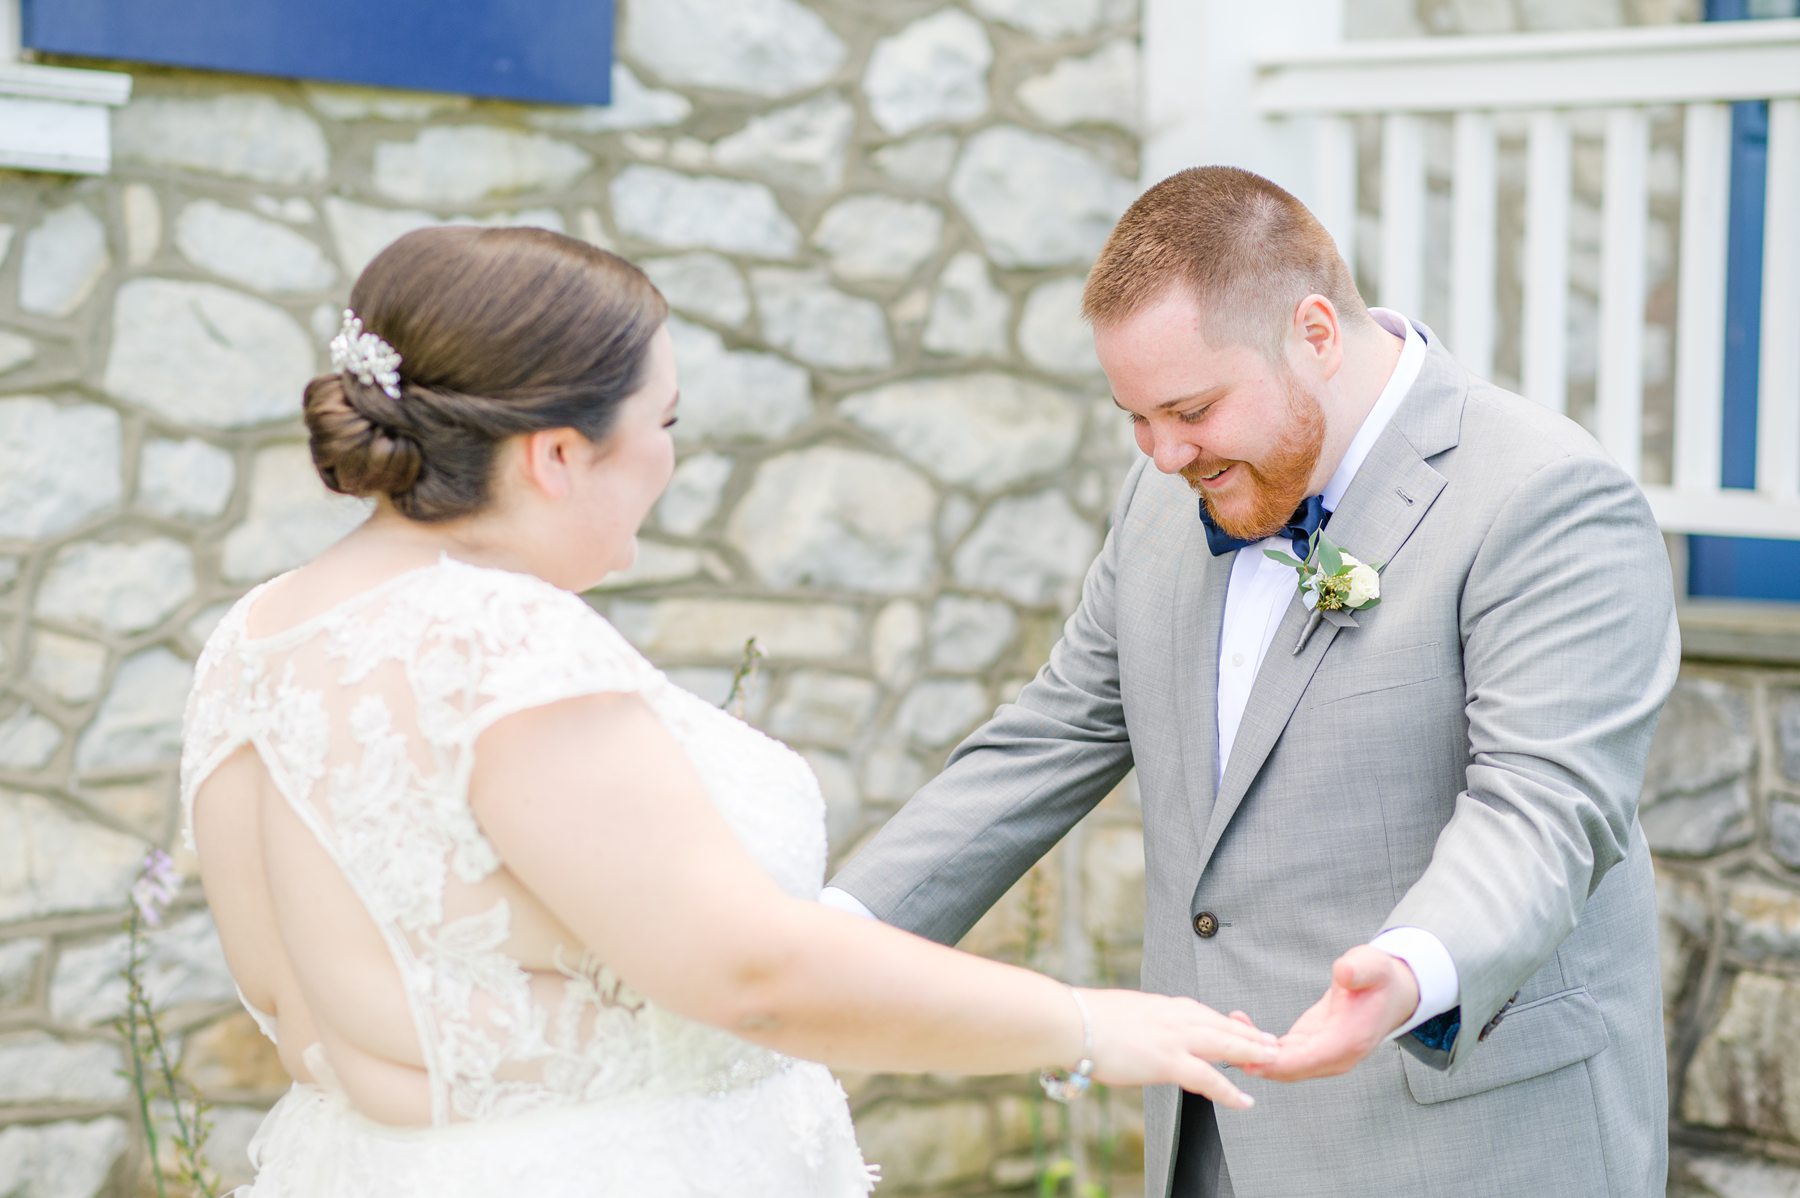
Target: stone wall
<point>896,458</point>
<point>1722,811</point>
<point>871,220</point>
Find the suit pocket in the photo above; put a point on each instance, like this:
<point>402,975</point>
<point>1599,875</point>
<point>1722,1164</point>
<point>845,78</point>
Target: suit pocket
<point>1552,1033</point>
<point>1387,670</point>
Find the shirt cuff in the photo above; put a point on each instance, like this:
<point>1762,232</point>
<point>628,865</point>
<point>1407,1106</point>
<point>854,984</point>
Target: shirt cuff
<point>843,900</point>
<point>1430,962</point>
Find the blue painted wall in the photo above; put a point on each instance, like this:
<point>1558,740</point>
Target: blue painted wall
<point>557,51</point>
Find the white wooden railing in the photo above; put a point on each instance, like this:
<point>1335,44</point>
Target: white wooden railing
<point>1547,79</point>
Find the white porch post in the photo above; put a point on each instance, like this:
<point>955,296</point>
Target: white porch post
<point>9,31</point>
<point>1199,78</point>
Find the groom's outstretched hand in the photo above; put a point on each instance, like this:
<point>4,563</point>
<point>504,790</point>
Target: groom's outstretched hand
<point>1372,993</point>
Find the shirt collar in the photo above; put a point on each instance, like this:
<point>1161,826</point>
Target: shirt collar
<point>1406,372</point>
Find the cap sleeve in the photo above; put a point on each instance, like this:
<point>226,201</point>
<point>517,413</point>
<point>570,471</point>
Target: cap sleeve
<point>541,645</point>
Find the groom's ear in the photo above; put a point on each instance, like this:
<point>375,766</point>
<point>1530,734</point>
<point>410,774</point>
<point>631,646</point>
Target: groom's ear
<point>1316,335</point>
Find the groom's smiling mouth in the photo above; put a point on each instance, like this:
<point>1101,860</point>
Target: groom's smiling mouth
<point>1210,479</point>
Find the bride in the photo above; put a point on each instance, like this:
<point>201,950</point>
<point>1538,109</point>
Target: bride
<point>520,915</point>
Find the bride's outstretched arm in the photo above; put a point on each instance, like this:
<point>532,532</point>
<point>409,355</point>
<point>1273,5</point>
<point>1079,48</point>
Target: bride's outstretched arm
<point>594,807</point>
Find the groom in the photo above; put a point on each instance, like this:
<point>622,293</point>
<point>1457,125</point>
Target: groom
<point>1420,827</point>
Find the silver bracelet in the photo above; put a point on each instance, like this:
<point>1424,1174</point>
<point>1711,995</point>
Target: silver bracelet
<point>1062,1085</point>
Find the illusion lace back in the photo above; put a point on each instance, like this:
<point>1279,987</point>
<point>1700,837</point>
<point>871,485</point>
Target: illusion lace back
<point>550,1080</point>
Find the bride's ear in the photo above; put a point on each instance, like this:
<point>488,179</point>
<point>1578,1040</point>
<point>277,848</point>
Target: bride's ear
<point>546,460</point>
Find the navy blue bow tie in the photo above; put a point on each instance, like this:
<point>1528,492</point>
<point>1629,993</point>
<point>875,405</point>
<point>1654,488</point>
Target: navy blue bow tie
<point>1307,519</point>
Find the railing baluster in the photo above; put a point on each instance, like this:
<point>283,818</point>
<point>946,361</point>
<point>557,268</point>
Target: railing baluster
<point>1619,391</point>
<point>1545,324</point>
<point>1778,399</point>
<point>1403,212</point>
<point>1472,241</point>
<point>1334,182</point>
<point>1700,305</point>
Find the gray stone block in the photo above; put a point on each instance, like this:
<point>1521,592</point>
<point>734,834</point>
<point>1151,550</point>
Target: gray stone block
<point>1713,1176</point>
<point>1696,799</point>
<point>1762,920</point>
<point>1745,1076</point>
<point>1784,831</point>
<point>1787,731</point>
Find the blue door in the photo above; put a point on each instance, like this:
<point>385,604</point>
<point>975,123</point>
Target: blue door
<point>1742,567</point>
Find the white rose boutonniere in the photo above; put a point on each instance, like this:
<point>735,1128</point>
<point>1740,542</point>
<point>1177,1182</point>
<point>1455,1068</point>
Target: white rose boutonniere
<point>1365,584</point>
<point>1332,584</point>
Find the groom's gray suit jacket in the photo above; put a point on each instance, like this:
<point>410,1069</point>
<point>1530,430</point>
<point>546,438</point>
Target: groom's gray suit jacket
<point>1467,760</point>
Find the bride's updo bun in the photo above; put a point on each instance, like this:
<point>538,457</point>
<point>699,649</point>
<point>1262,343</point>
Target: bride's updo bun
<point>357,453</point>
<point>500,332</point>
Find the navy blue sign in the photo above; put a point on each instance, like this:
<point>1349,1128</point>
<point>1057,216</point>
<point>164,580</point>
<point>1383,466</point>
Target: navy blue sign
<point>558,51</point>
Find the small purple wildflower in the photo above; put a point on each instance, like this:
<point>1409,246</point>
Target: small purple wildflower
<point>155,887</point>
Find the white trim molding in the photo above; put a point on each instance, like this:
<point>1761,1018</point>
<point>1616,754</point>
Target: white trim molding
<point>54,119</point>
<point>58,119</point>
<point>1673,64</point>
<point>1725,512</point>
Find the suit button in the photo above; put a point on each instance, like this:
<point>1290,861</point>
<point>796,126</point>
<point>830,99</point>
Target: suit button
<point>1206,925</point>
<point>1498,1016</point>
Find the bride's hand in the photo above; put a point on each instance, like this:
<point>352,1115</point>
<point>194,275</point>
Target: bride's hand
<point>1153,1039</point>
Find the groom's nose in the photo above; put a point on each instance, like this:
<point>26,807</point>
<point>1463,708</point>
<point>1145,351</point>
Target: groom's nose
<point>1170,453</point>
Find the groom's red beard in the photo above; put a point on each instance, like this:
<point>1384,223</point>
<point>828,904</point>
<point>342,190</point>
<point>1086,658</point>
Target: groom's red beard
<point>1271,489</point>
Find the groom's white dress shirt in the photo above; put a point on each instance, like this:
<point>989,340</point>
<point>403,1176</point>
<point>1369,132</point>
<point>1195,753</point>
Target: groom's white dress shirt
<point>1258,593</point>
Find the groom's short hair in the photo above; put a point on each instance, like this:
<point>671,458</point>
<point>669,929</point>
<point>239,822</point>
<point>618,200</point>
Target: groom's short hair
<point>1246,249</point>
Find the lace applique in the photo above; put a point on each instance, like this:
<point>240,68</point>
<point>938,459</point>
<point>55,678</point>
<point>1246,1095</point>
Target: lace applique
<point>292,721</point>
<point>367,719</point>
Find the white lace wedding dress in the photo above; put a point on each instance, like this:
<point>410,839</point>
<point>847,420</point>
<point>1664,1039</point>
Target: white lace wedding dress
<point>548,1084</point>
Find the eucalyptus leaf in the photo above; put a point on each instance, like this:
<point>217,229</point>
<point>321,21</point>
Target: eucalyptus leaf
<point>1284,558</point>
<point>1331,559</point>
<point>1370,604</point>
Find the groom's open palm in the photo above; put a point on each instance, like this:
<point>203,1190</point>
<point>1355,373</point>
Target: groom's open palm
<point>1371,994</point>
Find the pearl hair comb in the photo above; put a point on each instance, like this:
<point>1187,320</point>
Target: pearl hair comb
<point>366,356</point>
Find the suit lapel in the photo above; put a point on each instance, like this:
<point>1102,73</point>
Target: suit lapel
<point>1392,491</point>
<point>1199,613</point>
